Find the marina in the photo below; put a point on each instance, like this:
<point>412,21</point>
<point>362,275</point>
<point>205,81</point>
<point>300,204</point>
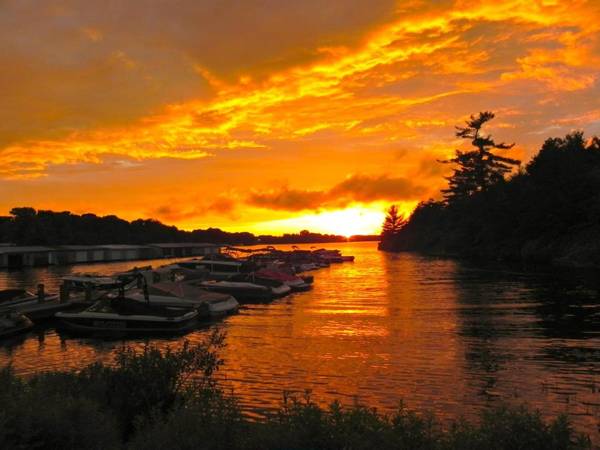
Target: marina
<point>442,335</point>
<point>174,298</point>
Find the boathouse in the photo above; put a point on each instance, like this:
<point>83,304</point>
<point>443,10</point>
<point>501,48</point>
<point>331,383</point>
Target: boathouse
<point>122,252</point>
<point>175,250</point>
<point>14,256</point>
<point>73,254</point>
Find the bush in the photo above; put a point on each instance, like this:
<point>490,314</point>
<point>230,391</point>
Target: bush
<point>34,415</point>
<point>515,428</point>
<point>142,385</point>
<point>156,399</point>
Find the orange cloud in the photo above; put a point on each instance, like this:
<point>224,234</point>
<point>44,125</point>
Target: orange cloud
<point>279,95</point>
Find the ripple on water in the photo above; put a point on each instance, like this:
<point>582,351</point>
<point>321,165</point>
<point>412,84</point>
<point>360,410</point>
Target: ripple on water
<point>437,334</point>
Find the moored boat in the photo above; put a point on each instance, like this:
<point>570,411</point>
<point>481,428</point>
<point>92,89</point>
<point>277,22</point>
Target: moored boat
<point>37,307</point>
<point>14,298</point>
<point>124,315</point>
<point>183,295</point>
<point>294,282</point>
<point>243,292</point>
<point>215,269</point>
<point>332,256</point>
<point>13,322</point>
<point>278,288</point>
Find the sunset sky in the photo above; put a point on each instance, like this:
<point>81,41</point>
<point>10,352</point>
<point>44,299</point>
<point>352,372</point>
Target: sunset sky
<point>274,116</point>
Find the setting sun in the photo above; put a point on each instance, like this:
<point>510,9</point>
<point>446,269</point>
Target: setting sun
<point>347,222</point>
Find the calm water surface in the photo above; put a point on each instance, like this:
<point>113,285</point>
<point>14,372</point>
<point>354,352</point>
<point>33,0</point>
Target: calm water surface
<point>438,334</point>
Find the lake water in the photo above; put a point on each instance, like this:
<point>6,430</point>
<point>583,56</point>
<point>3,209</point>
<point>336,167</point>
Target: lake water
<point>437,334</point>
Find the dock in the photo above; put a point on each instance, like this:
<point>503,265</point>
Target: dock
<point>15,257</point>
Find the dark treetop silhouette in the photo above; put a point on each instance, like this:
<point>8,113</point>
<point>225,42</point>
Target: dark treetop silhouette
<point>547,212</point>
<point>26,226</point>
<point>393,222</point>
<point>478,169</point>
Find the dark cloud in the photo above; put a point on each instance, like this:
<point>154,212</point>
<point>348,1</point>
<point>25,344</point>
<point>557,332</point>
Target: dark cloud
<point>288,199</point>
<point>365,189</point>
<point>177,212</point>
<point>357,188</point>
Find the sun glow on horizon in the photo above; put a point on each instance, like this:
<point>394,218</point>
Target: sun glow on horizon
<point>346,222</point>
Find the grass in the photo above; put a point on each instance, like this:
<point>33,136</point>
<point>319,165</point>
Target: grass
<point>153,399</point>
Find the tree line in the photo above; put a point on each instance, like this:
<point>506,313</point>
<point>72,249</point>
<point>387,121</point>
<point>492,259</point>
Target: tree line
<point>546,211</point>
<point>28,226</point>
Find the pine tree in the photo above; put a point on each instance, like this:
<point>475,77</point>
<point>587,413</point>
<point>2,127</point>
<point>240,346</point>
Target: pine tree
<point>393,222</point>
<point>477,169</point>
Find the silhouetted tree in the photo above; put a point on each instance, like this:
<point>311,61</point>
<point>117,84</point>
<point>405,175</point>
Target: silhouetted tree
<point>548,211</point>
<point>393,223</point>
<point>477,169</point>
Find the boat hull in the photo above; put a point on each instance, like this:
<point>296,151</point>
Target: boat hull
<point>208,308</point>
<point>111,327</point>
<point>242,295</point>
<point>129,317</point>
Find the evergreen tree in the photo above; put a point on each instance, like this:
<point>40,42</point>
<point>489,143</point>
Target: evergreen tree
<point>477,169</point>
<point>393,223</point>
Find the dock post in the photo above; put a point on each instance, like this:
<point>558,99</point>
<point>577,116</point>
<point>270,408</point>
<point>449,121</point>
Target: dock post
<point>88,292</point>
<point>65,291</point>
<point>40,293</point>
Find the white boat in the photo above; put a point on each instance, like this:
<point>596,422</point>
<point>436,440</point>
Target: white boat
<point>124,315</point>
<point>218,270</point>
<point>86,282</point>
<point>306,267</point>
<point>281,290</point>
<point>185,295</point>
<point>294,282</point>
<point>278,288</point>
<point>37,308</point>
<point>175,272</point>
<point>243,292</point>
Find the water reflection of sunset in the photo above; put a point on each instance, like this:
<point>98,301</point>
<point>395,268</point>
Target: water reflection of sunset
<point>437,334</point>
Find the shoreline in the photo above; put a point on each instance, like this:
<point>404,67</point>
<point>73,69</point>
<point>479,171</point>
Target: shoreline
<point>142,401</point>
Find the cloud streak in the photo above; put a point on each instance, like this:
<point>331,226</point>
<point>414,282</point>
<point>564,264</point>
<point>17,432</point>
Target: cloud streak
<point>354,189</point>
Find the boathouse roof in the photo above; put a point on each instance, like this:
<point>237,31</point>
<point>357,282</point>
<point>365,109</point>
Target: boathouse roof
<point>8,249</point>
<point>184,245</point>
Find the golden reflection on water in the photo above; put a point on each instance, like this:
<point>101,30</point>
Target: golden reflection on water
<point>437,334</point>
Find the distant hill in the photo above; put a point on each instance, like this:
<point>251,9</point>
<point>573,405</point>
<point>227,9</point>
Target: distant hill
<point>548,212</point>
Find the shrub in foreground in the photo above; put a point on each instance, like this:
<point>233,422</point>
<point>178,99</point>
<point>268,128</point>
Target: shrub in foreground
<point>157,399</point>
